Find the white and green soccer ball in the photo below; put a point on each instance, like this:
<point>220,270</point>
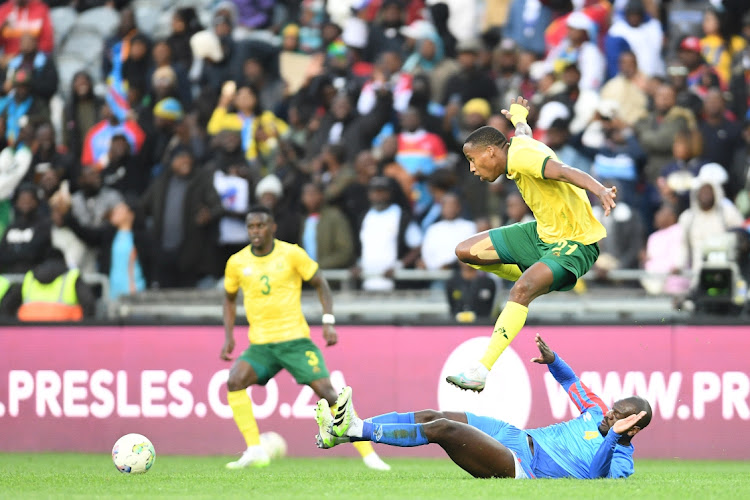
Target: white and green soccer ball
<point>133,454</point>
<point>274,444</point>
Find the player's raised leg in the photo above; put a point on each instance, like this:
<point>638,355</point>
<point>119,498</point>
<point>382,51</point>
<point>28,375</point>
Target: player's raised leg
<point>241,376</point>
<point>479,253</point>
<point>536,281</point>
<point>324,413</point>
<point>471,449</point>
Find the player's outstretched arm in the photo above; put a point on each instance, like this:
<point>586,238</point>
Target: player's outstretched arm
<point>581,395</point>
<point>561,172</point>
<point>326,302</point>
<point>229,315</point>
<point>517,113</point>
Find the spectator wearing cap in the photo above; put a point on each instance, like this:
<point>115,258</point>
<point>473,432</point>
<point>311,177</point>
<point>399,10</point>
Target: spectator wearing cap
<point>626,88</point>
<point>722,139</point>
<point>469,82</point>
<point>28,237</point>
<point>700,75</point>
<point>185,207</point>
<point>718,46</point>
<point>40,67</point>
<point>81,112</point>
<point>19,17</point>
<point>270,193</point>
<point>580,48</point>
<point>428,57</point>
<point>527,21</point>
<point>677,76</point>
<point>641,34</point>
<point>656,131</point>
<point>20,107</point>
<point>168,114</point>
<point>389,238</point>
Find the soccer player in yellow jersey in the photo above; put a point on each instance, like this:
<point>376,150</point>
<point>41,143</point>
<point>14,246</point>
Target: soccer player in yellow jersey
<point>541,256</point>
<point>270,273</point>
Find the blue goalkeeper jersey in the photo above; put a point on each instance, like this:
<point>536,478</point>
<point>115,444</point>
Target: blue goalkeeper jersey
<point>576,448</point>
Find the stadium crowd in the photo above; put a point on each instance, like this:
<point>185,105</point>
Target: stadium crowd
<point>347,119</point>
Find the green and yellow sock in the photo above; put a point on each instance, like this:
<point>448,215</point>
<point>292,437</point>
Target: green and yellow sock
<point>242,410</point>
<point>510,272</point>
<point>507,326</point>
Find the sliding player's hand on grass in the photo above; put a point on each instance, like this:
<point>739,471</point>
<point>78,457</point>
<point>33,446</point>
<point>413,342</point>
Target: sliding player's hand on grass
<point>329,333</point>
<point>546,355</point>
<point>607,198</point>
<point>625,424</point>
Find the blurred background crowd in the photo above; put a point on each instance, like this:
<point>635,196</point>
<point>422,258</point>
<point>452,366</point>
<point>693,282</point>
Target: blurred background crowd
<point>135,135</point>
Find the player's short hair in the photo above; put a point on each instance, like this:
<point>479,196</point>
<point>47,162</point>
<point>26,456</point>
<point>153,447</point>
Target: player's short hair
<point>258,209</point>
<point>486,136</point>
<point>640,404</point>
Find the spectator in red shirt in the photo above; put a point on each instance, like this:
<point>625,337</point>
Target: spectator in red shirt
<point>24,16</point>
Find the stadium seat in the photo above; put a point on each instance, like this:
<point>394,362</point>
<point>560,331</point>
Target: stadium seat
<point>67,66</point>
<point>86,45</point>
<point>146,18</point>
<point>102,20</point>
<point>63,19</point>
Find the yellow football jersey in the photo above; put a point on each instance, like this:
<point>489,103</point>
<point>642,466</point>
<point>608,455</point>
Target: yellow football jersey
<point>271,286</point>
<point>562,210</point>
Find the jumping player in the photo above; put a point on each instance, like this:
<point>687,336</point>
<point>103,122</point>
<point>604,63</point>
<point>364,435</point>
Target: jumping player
<point>596,444</point>
<point>541,256</point>
<point>270,273</point>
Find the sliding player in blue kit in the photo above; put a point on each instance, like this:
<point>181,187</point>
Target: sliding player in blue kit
<point>596,444</point>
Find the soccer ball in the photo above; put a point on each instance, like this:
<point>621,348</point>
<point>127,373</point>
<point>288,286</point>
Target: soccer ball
<point>274,444</point>
<point>133,454</point>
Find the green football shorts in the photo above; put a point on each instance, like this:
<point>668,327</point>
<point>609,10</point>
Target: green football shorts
<point>300,357</point>
<point>520,244</point>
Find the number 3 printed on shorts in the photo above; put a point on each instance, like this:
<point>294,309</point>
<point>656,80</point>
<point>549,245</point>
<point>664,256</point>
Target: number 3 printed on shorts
<point>266,285</point>
<point>572,247</point>
<point>312,358</point>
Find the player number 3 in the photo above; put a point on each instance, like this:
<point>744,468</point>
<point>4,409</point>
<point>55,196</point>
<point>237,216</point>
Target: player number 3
<point>266,285</point>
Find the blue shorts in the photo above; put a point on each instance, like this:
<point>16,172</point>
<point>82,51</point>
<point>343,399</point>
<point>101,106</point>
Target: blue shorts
<point>510,436</point>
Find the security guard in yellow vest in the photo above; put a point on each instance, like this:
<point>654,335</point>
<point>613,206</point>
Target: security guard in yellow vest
<point>51,292</point>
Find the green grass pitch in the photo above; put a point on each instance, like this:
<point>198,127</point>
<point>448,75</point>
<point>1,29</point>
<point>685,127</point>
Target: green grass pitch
<point>67,475</point>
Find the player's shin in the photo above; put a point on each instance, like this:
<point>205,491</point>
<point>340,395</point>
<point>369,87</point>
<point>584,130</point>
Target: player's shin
<point>507,326</point>
<point>509,272</point>
<point>393,418</point>
<point>402,435</point>
<point>242,410</point>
